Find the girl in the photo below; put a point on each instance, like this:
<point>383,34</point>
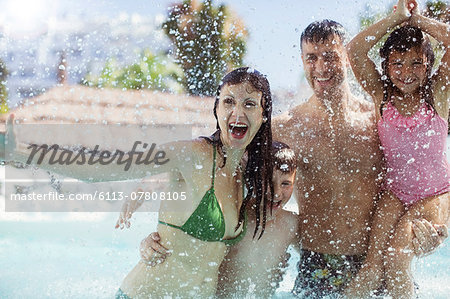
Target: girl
<point>199,237</point>
<point>411,107</point>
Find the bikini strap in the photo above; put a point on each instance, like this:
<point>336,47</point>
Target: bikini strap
<point>168,224</point>
<point>214,166</point>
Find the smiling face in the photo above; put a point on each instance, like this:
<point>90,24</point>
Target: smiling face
<point>283,185</point>
<point>325,65</point>
<point>240,114</point>
<point>407,70</point>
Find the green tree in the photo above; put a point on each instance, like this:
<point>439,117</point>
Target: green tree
<point>367,19</point>
<point>439,10</point>
<point>209,40</point>
<point>3,90</point>
<point>151,71</point>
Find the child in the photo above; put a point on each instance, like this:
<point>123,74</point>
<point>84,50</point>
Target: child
<point>411,108</point>
<point>254,267</point>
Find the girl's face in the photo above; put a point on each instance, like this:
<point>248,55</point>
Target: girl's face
<point>240,114</point>
<point>408,70</point>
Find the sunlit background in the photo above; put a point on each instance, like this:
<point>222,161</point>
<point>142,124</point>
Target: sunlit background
<point>38,30</point>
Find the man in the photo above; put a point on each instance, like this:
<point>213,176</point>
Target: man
<point>334,137</point>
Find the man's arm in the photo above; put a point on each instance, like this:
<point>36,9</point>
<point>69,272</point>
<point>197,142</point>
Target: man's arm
<point>428,237</point>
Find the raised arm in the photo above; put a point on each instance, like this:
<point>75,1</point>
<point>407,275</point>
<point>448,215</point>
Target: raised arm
<point>363,67</point>
<point>95,168</point>
<point>441,32</point>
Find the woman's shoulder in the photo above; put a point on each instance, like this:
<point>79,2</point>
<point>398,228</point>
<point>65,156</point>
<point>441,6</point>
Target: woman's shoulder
<point>199,150</point>
<point>197,145</point>
<point>201,145</point>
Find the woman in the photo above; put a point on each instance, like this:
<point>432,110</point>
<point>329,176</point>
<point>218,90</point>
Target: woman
<point>199,236</point>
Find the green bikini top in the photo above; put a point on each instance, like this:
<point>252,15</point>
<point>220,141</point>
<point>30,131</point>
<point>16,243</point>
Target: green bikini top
<point>207,222</point>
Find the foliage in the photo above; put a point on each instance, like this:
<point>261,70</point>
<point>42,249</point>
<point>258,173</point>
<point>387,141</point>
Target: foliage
<point>439,10</point>
<point>209,40</point>
<point>370,18</point>
<point>151,71</point>
<point>3,90</point>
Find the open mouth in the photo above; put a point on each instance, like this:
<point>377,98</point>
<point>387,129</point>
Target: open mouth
<point>407,81</point>
<point>322,80</point>
<point>238,130</point>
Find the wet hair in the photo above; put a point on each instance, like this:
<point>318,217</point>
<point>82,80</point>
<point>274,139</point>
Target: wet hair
<point>402,40</point>
<point>284,158</point>
<point>320,31</point>
<point>259,169</point>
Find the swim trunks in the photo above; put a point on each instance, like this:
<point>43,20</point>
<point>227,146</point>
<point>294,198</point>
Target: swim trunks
<point>321,274</point>
<point>414,149</point>
<point>207,222</point>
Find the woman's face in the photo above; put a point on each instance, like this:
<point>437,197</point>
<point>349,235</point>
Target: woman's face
<point>408,70</point>
<point>240,114</point>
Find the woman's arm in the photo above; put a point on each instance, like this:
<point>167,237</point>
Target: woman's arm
<point>441,32</point>
<point>164,158</point>
<point>363,67</point>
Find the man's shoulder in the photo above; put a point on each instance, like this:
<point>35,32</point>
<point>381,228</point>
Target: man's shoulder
<point>297,114</point>
<point>362,112</point>
<point>362,105</point>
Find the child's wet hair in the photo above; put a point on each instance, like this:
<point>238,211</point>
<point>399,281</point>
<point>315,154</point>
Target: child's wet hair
<point>402,40</point>
<point>283,157</point>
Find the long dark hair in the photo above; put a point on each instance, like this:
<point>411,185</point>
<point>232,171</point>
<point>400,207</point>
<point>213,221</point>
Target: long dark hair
<point>403,39</point>
<point>259,169</point>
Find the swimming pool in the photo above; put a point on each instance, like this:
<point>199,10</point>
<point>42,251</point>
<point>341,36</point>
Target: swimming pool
<point>81,256</point>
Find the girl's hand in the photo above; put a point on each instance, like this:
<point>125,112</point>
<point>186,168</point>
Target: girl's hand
<point>428,237</point>
<point>401,10</point>
<point>415,12</point>
<point>413,7</point>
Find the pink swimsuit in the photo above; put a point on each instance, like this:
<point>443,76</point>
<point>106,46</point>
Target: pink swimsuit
<point>414,149</point>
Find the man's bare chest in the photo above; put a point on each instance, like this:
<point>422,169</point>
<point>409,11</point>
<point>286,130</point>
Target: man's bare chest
<point>347,151</point>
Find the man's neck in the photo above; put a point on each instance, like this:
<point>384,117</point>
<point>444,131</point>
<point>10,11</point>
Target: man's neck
<point>335,104</point>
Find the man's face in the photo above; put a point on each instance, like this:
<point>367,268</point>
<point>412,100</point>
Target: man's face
<point>325,65</point>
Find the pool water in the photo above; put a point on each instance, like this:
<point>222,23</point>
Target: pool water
<point>86,258</point>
